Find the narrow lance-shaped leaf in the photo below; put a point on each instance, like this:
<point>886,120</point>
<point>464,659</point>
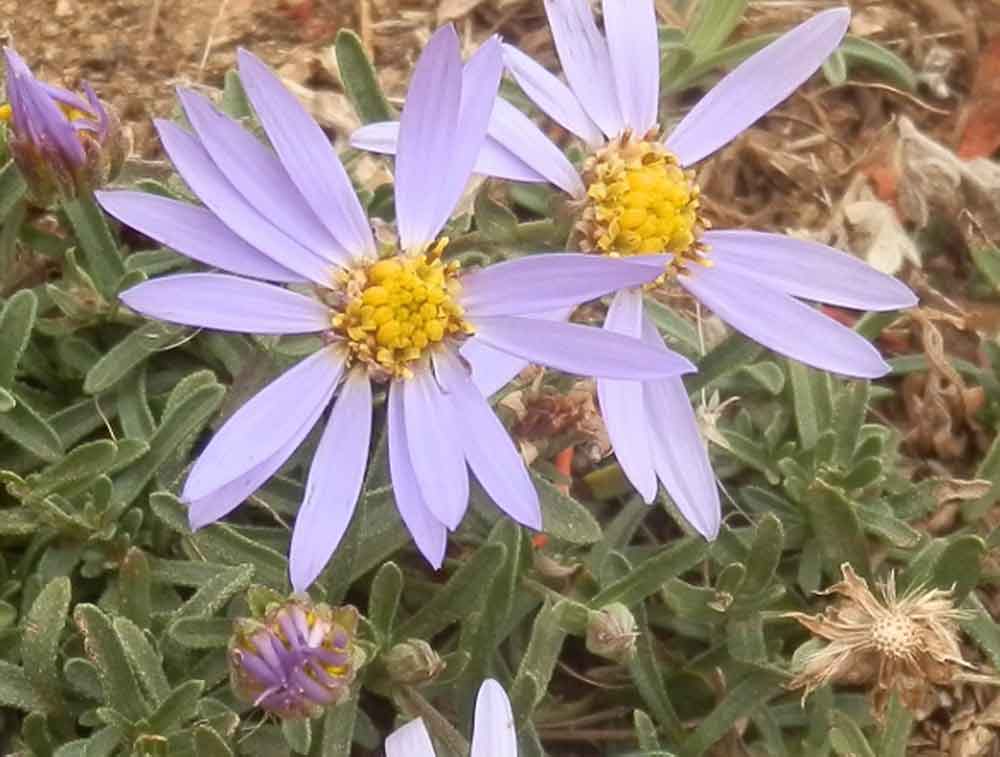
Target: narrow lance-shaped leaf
<point>360,80</point>
<point>104,648</point>
<point>17,319</point>
<point>40,643</point>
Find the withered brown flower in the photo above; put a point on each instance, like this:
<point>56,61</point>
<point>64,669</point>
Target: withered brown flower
<point>905,644</point>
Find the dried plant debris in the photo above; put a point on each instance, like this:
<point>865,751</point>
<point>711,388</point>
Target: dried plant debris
<point>882,642</point>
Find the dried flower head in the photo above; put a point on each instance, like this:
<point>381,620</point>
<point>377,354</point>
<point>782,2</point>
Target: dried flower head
<point>297,660</point>
<point>906,644</point>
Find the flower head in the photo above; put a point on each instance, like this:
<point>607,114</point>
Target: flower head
<point>493,733</point>
<point>62,144</point>
<point>906,644</point>
<point>637,197</point>
<point>297,660</point>
<point>399,316</point>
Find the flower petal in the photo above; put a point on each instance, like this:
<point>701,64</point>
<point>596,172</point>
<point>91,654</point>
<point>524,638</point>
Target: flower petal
<point>635,60</point>
<point>193,231</point>
<point>679,453</point>
<point>335,479</point>
<point>783,324</point>
<point>266,423</point>
<point>621,402</point>
<point>220,501</point>
<point>578,349</point>
<point>537,283</point>
<point>227,303</point>
<point>808,269</point>
<point>494,159</point>
<point>435,446</point>
<point>308,156</point>
<point>429,534</point>
<point>480,81</point>
<point>427,134</point>
<point>493,734</point>
<point>410,740</point>
<point>488,447</point>
<point>554,98</point>
<point>260,178</point>
<point>206,180</point>
<point>520,137</point>
<point>586,61</point>
<point>757,85</point>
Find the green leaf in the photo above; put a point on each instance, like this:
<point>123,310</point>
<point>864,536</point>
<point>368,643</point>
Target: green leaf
<point>959,565</point>
<point>100,250</point>
<point>217,592</point>
<point>134,581</point>
<point>128,353</point>
<point>81,464</point>
<point>40,643</point>
<point>713,22</point>
<point>222,543</point>
<point>846,738</point>
<point>987,260</point>
<point>234,98</point>
<point>727,57</point>
<point>464,593</point>
<point>298,735</point>
<point>646,670</point>
<point>177,707</point>
<point>645,731</point>
<point>836,527</point>
<point>105,649</point>
<point>144,659</point>
<point>208,743</point>
<point>562,516</point>
<point>674,326</point>
<point>895,738</point>
<point>859,51</point>
<point>339,725</point>
<point>24,426</point>
<point>16,690</point>
<point>979,624</point>
<point>811,400</point>
<point>383,599</point>
<point>189,416</point>
<point>12,189</point>
<point>535,670</point>
<point>764,556</point>
<point>734,353</point>
<point>201,633</point>
<point>360,80</point>
<point>17,319</point>
<point>835,68</point>
<point>495,222</point>
<point>752,692</point>
<point>851,407</point>
<point>649,576</point>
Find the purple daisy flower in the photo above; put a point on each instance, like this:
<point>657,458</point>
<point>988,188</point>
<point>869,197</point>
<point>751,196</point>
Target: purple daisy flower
<point>397,316</point>
<point>493,733</point>
<point>636,198</point>
<point>61,143</point>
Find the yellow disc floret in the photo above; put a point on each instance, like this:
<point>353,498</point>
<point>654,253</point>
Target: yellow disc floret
<point>639,202</point>
<point>399,307</point>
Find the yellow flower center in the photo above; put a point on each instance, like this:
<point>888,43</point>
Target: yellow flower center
<point>71,113</point>
<point>397,308</point>
<point>640,202</point>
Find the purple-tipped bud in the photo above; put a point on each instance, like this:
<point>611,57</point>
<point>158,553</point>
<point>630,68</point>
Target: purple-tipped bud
<point>62,144</point>
<point>297,660</point>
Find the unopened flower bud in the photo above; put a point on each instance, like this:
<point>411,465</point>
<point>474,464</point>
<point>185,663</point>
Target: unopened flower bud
<point>413,661</point>
<point>611,632</point>
<point>63,144</point>
<point>297,660</point>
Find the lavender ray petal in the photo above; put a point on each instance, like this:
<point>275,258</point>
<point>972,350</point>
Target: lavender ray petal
<point>523,140</point>
<point>493,734</point>
<point>554,98</point>
<point>488,447</point>
<point>257,174</point>
<point>258,669</point>
<point>429,534</point>
<point>579,349</point>
<point>410,740</point>
<point>51,123</point>
<point>436,454</point>
<point>307,156</point>
<point>206,180</point>
<point>334,484</point>
<point>480,81</point>
<point>64,96</point>
<point>586,61</point>
<point>427,138</point>
<point>492,369</point>
<point>494,159</point>
<point>784,324</point>
<point>227,303</point>
<point>808,269</point>
<point>634,46</point>
<point>621,402</point>
<point>194,232</point>
<point>537,283</point>
<point>266,422</point>
<point>757,85</point>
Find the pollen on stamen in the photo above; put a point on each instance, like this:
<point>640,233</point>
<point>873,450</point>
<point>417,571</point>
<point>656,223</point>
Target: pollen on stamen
<point>640,202</point>
<point>397,308</point>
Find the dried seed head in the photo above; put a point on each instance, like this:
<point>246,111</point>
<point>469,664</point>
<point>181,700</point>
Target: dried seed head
<point>905,644</point>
